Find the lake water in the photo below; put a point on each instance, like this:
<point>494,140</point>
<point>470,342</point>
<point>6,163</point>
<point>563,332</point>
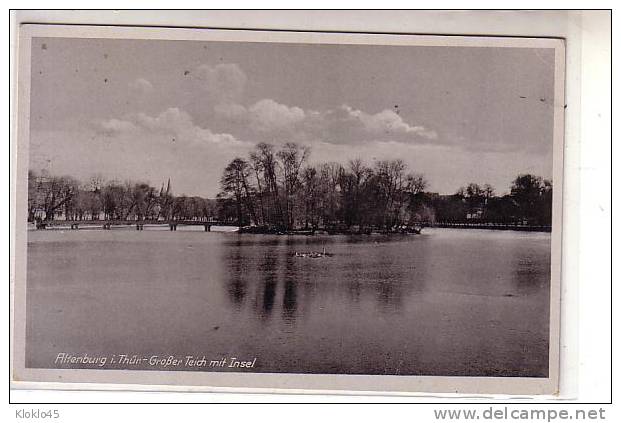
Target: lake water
<point>447,302</point>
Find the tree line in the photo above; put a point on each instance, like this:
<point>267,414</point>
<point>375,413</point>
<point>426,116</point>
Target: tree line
<point>528,202</point>
<point>51,197</point>
<point>277,189</point>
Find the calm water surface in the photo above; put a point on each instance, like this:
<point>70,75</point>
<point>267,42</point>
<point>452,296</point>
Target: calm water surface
<point>447,302</point>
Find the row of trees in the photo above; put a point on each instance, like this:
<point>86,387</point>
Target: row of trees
<point>279,189</point>
<point>528,202</point>
<point>50,197</point>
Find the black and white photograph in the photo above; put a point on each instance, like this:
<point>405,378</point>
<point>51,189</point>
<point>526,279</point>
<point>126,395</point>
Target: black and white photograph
<point>289,210</point>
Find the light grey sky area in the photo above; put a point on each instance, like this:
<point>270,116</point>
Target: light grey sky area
<point>149,110</point>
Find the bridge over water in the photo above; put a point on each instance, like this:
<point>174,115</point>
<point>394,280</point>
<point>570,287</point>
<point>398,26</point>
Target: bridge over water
<point>139,224</point>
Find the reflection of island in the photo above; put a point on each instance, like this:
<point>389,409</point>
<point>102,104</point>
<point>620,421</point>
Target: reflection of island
<point>270,273</point>
<point>268,283</point>
<point>237,283</point>
<point>289,300</point>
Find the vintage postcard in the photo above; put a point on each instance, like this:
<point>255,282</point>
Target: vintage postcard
<point>264,211</point>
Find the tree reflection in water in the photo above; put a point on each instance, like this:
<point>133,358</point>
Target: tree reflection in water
<point>289,299</point>
<point>236,284</point>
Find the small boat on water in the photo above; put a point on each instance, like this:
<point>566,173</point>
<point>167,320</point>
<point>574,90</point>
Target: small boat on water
<point>312,254</point>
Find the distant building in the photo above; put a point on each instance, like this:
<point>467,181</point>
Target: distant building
<point>475,214</point>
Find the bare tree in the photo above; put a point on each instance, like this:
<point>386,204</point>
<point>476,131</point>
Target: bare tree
<point>310,196</point>
<point>234,183</point>
<point>292,157</point>
<point>269,165</point>
<point>52,193</point>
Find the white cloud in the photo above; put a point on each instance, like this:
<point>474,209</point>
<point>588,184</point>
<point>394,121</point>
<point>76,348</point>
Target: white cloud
<point>388,122</point>
<point>171,120</point>
<point>346,125</point>
<point>342,125</point>
<point>267,115</point>
<point>173,124</point>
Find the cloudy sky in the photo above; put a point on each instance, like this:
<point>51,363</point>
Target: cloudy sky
<point>151,110</point>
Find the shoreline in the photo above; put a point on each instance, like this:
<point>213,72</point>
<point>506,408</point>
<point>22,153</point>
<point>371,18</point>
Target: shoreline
<point>100,225</point>
<point>495,226</point>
